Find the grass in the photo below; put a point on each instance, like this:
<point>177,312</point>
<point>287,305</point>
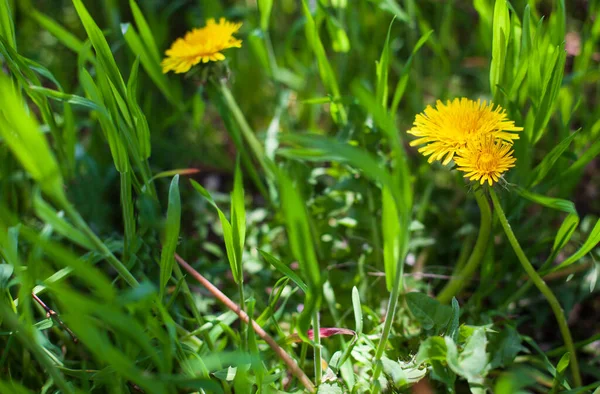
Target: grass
<point>261,224</point>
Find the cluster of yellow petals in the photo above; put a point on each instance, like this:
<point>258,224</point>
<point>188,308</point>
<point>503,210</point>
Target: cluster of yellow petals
<point>476,135</point>
<point>201,45</point>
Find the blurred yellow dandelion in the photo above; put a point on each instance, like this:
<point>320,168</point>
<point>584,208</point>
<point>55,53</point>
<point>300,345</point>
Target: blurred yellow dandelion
<point>485,159</point>
<point>447,128</point>
<point>201,45</point>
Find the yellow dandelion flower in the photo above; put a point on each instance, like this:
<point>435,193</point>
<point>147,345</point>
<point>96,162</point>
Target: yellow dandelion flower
<point>485,159</point>
<point>447,128</point>
<point>201,45</point>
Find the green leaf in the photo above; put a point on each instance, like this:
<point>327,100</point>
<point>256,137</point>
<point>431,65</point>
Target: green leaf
<point>565,232</point>
<point>22,135</point>
<point>382,70</point>
<point>69,98</point>
<point>472,363</point>
<point>171,235</point>
<point>63,35</point>
<point>140,124</point>
<point>542,169</point>
<point>103,52</point>
<point>302,246</point>
<point>501,36</point>
<point>428,311</point>
<point>284,269</point>
<point>358,317</point>
<point>550,202</point>
<point>150,64</point>
<point>328,77</point>
<point>433,348</point>
<point>46,213</point>
<point>454,322</point>
<point>404,74</point>
<point>7,27</point>
<point>265,6</point>
<point>6,271</point>
<point>230,247</point>
<point>590,243</point>
<point>238,219</point>
<point>391,237</point>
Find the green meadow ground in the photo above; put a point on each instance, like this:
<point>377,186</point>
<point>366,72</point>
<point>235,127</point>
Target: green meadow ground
<point>284,177</point>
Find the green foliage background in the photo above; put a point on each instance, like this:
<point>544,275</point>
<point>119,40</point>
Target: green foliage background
<point>284,176</point>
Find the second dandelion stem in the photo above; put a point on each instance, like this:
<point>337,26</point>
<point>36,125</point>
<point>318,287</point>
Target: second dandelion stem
<point>542,287</point>
<point>460,278</point>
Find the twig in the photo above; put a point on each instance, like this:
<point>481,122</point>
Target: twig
<point>54,316</point>
<point>293,367</point>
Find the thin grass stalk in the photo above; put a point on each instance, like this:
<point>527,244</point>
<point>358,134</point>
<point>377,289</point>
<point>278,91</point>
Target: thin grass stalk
<point>462,277</point>
<point>317,347</point>
<point>218,294</point>
<point>397,288</point>
<point>542,287</point>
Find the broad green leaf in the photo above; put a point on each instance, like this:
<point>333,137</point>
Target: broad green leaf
<point>169,246</point>
<point>23,136</point>
<point>590,243</point>
<point>429,311</point>
<point>472,362</point>
<point>392,232</point>
<point>284,269</point>
<point>433,348</point>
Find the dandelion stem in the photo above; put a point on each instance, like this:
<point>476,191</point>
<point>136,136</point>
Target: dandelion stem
<point>542,287</point>
<point>461,278</point>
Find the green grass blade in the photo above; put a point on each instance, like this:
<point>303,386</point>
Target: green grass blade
<point>542,169</point>
<point>22,135</point>
<point>238,218</point>
<point>7,27</point>
<point>501,36</point>
<point>103,52</point>
<point>325,70</point>
<point>392,236</point>
<point>167,256</point>
<point>62,35</point>
<point>284,269</point>
<point>590,243</point>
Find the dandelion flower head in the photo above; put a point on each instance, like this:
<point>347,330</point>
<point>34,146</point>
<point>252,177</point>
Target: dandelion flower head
<point>201,45</point>
<point>485,159</point>
<point>448,128</point>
